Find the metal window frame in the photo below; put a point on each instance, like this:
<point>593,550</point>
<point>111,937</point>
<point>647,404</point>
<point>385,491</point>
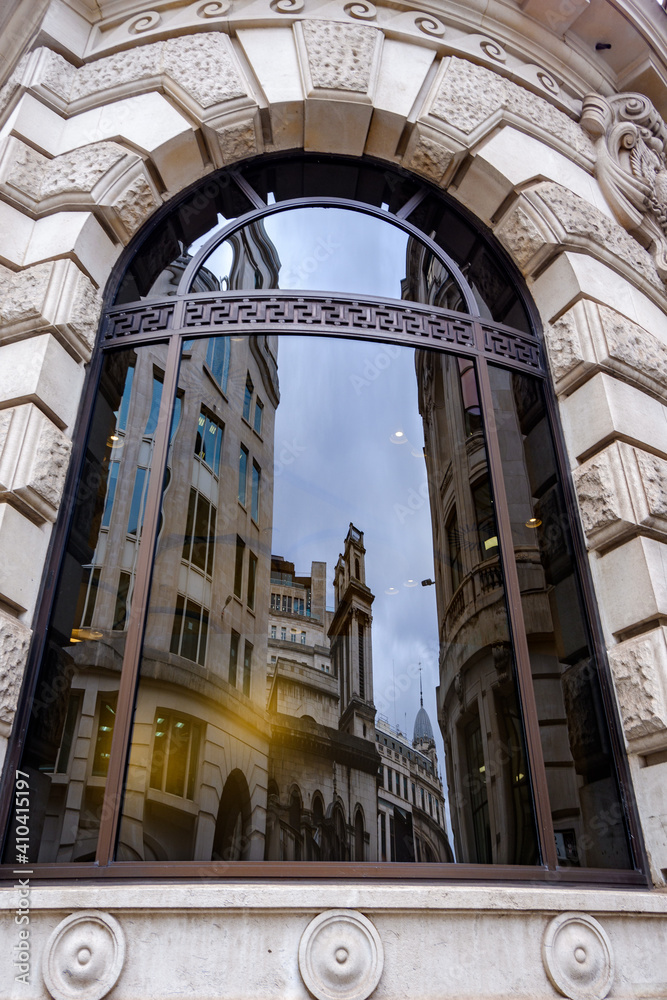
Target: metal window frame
<point>168,324</point>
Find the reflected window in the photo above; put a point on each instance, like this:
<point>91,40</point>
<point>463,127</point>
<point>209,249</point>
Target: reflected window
<point>254,492</point>
<point>243,473</point>
<point>106,717</point>
<point>208,442</point>
<point>189,631</point>
<point>247,398</point>
<point>175,758</point>
<point>217,359</point>
<point>259,413</point>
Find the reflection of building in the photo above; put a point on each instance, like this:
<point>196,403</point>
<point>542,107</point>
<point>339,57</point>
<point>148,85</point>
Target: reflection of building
<point>478,699</point>
<point>330,796</point>
<point>477,706</point>
<point>199,715</point>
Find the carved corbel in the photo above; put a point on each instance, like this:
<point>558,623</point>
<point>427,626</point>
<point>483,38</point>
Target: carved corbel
<point>631,167</point>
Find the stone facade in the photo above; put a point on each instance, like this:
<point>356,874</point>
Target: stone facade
<point>108,110</point>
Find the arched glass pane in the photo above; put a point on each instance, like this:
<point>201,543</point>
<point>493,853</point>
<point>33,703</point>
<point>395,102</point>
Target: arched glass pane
<point>329,249</point>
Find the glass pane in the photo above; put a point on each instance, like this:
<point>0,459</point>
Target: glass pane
<point>583,791</point>
<point>333,250</point>
<point>273,689</point>
<point>73,712</point>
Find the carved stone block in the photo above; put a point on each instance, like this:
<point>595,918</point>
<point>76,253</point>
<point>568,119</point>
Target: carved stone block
<point>137,201</point>
<point>564,345</point>
<point>53,296</point>
<point>338,57</point>
<point>34,455</point>
<point>621,489</point>
<point>593,335</point>
<point>431,154</point>
<point>596,231</point>
<point>468,96</point>
<point>639,667</point>
<point>235,139</point>
<point>602,494</point>
<point>14,642</point>
<point>200,70</point>
<point>522,236</point>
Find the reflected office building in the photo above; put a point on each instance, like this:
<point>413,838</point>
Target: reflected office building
<point>254,733</point>
<point>478,704</point>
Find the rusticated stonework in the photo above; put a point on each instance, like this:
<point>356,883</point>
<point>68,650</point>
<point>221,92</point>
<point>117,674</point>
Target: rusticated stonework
<point>54,294</point>
<point>521,236</point>
<point>563,345</point>
<point>653,472</point>
<point>581,219</point>
<point>429,158</point>
<point>631,166</point>
<point>469,94</point>
<point>640,671</point>
<point>340,56</point>
<point>22,293</point>
<point>14,641</point>
<point>38,177</point>
<point>633,345</point>
<point>597,493</point>
<point>49,467</point>
<point>203,65</point>
<point>237,141</point>
<point>591,334</point>
<point>136,203</point>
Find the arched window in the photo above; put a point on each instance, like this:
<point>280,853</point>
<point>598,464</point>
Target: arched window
<point>319,391</point>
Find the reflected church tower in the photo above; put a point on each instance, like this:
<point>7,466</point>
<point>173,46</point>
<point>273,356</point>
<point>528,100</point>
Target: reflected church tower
<point>350,635</point>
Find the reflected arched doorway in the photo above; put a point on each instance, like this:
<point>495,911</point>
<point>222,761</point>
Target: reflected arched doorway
<point>232,829</point>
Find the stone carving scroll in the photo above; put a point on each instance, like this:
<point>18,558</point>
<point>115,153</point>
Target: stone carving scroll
<point>631,166</point>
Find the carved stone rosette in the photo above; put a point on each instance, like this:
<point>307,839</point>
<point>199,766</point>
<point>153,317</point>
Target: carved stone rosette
<point>84,956</point>
<point>631,166</point>
<point>577,957</point>
<point>341,956</point>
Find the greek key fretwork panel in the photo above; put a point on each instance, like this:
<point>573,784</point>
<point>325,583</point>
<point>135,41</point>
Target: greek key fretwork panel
<point>139,319</point>
<point>511,346</point>
<point>297,314</point>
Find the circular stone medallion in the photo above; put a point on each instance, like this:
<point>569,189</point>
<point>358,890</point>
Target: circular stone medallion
<point>577,957</point>
<point>84,956</point>
<point>341,956</point>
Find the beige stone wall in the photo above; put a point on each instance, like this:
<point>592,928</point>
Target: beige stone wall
<point>116,109</point>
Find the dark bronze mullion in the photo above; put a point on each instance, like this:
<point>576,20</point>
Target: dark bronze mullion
<point>517,625</point>
<point>113,793</point>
